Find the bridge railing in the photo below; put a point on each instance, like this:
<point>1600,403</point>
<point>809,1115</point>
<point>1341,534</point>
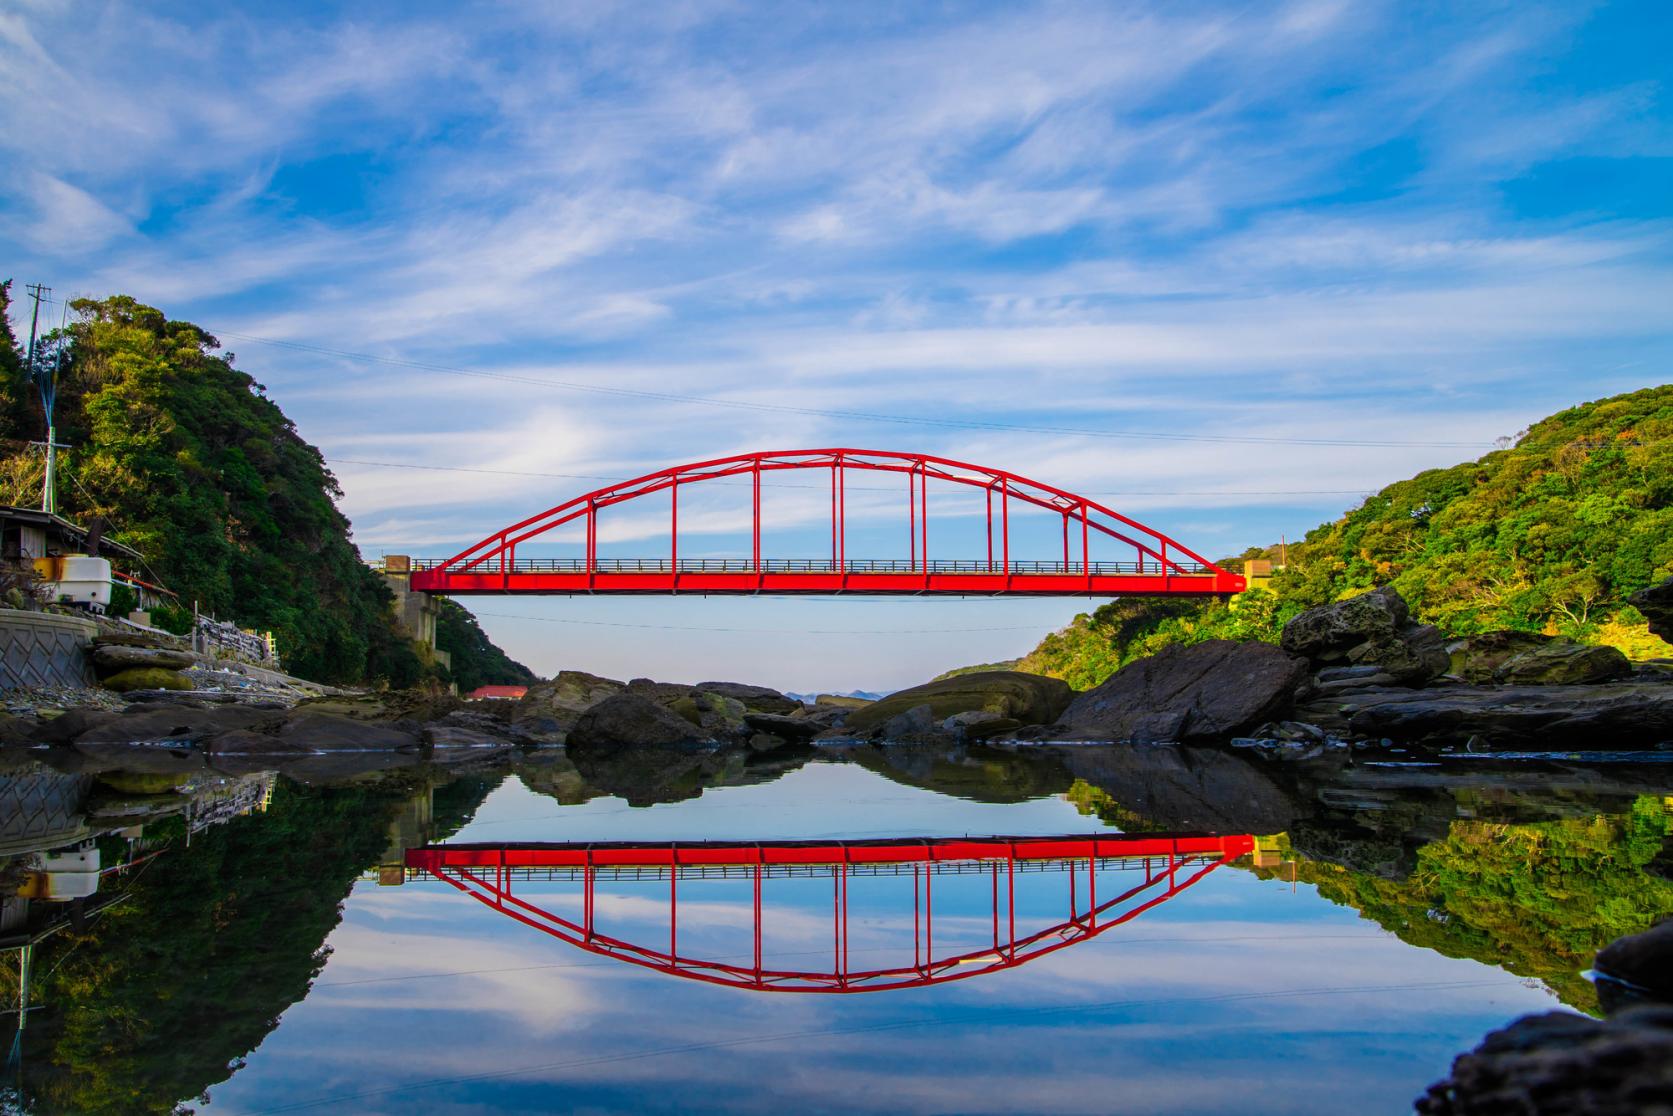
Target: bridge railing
<point>822,565</point>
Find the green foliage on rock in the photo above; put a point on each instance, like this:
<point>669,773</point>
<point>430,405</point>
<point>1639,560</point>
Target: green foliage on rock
<point>476,660</point>
<point>1550,535</point>
<point>977,668</point>
<point>1095,646</point>
<point>147,678</point>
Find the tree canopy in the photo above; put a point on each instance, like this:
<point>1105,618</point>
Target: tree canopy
<point>195,467</point>
<point>1549,535</point>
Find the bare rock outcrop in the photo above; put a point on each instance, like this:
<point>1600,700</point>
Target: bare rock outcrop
<point>1019,698</point>
<point>1372,629</point>
<point>550,709</point>
<point>1656,603</point>
<point>1559,1063</point>
<point>1204,691</point>
<point>630,720</point>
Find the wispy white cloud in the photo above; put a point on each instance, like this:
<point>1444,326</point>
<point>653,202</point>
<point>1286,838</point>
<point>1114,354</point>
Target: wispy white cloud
<point>1273,220</point>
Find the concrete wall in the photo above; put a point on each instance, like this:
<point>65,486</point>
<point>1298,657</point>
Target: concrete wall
<point>416,612</point>
<point>44,649</point>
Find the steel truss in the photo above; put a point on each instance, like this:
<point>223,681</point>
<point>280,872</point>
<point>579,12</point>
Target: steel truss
<point>1163,866</point>
<point>1159,566</point>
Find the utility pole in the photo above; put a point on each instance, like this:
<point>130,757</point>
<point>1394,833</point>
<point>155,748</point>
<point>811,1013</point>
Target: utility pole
<point>46,383</point>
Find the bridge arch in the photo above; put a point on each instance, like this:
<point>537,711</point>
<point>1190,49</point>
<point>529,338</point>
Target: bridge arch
<point>1104,879</point>
<point>1158,565</point>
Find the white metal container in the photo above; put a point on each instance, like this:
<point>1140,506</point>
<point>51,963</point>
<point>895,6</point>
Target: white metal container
<point>78,580</point>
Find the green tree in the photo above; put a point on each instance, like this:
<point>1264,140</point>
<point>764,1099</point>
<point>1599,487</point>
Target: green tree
<point>202,473</point>
<point>475,660</point>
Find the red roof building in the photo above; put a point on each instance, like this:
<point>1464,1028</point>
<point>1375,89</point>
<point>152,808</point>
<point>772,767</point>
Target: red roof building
<point>501,693</point>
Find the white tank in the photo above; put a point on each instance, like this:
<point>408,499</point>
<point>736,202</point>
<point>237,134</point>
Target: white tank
<point>77,579</point>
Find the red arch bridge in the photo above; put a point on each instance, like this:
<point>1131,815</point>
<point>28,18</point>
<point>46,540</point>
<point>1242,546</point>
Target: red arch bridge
<point>1140,561</point>
<point>1015,899</point>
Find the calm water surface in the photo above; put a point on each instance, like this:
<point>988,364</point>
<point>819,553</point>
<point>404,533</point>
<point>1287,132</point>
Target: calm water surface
<point>284,959</point>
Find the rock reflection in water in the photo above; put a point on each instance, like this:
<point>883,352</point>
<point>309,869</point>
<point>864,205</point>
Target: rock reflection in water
<point>155,998</point>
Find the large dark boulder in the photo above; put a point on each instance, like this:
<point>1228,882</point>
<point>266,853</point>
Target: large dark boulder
<point>553,707</point>
<point>1559,1063</point>
<point>1028,699</point>
<point>329,732</point>
<point>1638,966</point>
<point>756,699</point>
<point>1656,603</point>
<point>1613,716</point>
<point>1203,691</point>
<point>1563,664</point>
<point>1372,629</point>
<point>630,720</point>
<point>1476,658</point>
<point>174,724</point>
<point>1167,786</point>
<point>415,706</point>
<point>113,658</point>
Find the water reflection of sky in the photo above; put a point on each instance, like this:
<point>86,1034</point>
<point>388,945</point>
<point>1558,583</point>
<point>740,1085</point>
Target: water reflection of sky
<point>1238,996</point>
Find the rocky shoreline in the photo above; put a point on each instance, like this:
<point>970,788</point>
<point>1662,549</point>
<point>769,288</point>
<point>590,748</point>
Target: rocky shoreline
<point>1352,677</point>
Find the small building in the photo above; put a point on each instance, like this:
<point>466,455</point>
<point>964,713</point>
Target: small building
<point>497,693</point>
<point>73,562</point>
<point>30,533</point>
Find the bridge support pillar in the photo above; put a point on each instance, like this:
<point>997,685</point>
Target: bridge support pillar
<point>415,612</point>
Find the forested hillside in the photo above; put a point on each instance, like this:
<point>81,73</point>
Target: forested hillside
<point>476,659</point>
<point>191,463</point>
<point>1549,535</point>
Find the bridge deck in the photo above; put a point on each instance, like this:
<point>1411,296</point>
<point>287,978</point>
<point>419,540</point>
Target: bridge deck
<point>728,576</point>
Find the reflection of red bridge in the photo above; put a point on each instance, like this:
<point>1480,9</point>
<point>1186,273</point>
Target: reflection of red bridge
<point>1152,869</point>
<point>1104,553</point>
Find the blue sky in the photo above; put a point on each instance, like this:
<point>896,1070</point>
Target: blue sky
<point>1407,229</point>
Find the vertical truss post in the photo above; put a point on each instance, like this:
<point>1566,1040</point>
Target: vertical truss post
<point>988,491</point>
<point>836,920</point>
<point>758,922</point>
<point>587,886</point>
<point>1065,542</point>
<point>929,917</point>
<point>1092,888</point>
<point>592,543</point>
<point>923,516</point>
<point>912,512</point>
<point>755,521</point>
<point>843,967</point>
<point>1005,525</point>
<point>995,868</point>
<point>1011,898</point>
<point>674,534</point>
<point>917,962</point>
<point>834,528</point>
<point>673,904</point>
<point>1086,545</point>
<point>1074,897</point>
<point>842,521</point>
